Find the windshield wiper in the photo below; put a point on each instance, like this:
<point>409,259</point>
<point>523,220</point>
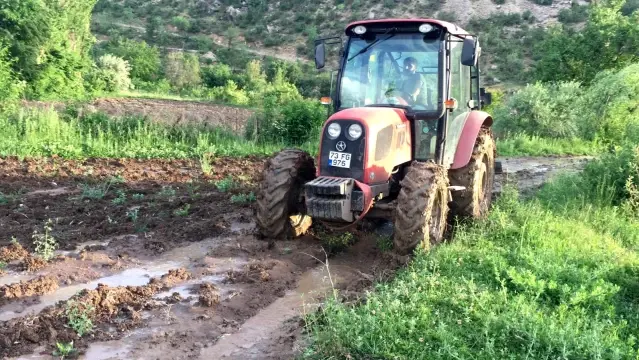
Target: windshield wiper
<point>365,49</point>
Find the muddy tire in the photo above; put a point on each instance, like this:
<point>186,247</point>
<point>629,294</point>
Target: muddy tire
<point>422,208</point>
<point>279,212</point>
<point>477,177</point>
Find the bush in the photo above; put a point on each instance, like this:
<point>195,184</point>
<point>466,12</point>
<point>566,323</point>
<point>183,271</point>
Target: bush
<point>610,106</point>
<point>216,75</point>
<point>230,94</point>
<point>543,110</point>
<point>293,123</point>
<point>144,60</point>
<point>182,70</point>
<point>111,74</point>
<point>181,23</point>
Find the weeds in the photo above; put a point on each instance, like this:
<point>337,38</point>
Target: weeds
<point>45,244</point>
<point>336,242</point>
<point>184,211</point>
<point>167,191</point>
<point>63,349</point>
<point>384,243</point>
<point>243,198</point>
<point>3,266</point>
<point>133,214</point>
<point>205,163</point>
<point>3,199</point>
<point>137,197</point>
<point>225,184</point>
<point>120,198</point>
<point>79,317</point>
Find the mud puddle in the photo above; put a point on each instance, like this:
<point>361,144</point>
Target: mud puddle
<point>530,173</point>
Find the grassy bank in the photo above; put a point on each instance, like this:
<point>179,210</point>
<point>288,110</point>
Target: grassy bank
<point>553,277</point>
<point>529,145</point>
<point>33,132</point>
<point>46,133</point>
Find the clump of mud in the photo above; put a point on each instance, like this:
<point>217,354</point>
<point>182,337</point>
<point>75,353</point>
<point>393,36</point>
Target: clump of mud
<point>33,263</point>
<point>252,273</point>
<point>38,286</point>
<point>13,252</point>
<point>209,295</point>
<point>120,306</point>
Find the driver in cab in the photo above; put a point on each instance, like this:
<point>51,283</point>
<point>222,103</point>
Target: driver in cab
<point>412,82</point>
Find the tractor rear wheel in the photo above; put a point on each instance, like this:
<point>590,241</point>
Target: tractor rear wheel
<point>477,177</point>
<point>280,208</point>
<point>422,208</point>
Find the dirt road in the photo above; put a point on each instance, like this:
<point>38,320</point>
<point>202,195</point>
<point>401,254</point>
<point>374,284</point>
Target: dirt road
<point>161,257</point>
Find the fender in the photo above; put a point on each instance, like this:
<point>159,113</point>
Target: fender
<point>476,120</point>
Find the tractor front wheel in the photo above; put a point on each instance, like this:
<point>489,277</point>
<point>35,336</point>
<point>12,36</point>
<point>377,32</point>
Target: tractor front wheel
<point>477,177</point>
<point>280,208</point>
<point>422,208</point>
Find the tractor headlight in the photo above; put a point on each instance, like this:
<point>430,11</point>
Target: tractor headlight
<point>354,132</point>
<point>334,130</point>
<point>359,30</point>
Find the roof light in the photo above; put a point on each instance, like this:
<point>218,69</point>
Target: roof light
<point>359,30</point>
<point>426,28</point>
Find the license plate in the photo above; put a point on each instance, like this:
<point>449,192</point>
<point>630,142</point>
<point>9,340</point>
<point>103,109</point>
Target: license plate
<point>339,159</point>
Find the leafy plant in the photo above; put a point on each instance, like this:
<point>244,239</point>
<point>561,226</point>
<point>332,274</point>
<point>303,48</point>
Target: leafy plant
<point>79,317</point>
<point>3,199</point>
<point>63,349</point>
<point>205,163</point>
<point>120,199</point>
<point>137,197</point>
<point>225,184</point>
<point>183,211</point>
<point>3,265</point>
<point>45,244</point>
<point>167,191</point>
<point>243,198</point>
<point>133,214</point>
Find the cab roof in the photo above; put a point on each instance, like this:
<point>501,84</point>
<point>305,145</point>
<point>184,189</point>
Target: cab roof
<point>451,28</point>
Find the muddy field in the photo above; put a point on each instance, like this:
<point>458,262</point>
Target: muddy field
<point>161,259</point>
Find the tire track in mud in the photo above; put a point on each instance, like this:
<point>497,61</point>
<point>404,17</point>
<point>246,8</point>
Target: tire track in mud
<point>259,294</point>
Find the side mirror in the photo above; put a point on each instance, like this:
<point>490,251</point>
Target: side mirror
<point>485,97</point>
<point>320,55</point>
<point>470,52</point>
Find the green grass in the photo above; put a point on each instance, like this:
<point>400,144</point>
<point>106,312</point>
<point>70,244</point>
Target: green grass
<point>529,145</point>
<point>556,277</point>
<point>36,133</point>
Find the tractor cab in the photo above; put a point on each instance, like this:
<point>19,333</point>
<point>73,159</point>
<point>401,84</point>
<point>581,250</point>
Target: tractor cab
<point>407,140</point>
<point>429,68</point>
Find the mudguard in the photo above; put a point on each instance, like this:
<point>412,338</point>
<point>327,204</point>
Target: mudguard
<point>476,120</point>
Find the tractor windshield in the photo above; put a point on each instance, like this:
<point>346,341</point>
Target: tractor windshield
<point>401,69</point>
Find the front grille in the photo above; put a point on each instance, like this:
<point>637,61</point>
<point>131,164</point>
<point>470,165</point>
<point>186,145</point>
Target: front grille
<point>356,148</point>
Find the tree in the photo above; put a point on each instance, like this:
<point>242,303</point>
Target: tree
<point>610,40</point>
<point>231,35</point>
<point>50,42</point>
<point>10,87</point>
<point>113,73</point>
<point>182,70</point>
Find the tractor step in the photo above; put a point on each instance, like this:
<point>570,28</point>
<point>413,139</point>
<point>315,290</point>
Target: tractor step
<point>499,169</point>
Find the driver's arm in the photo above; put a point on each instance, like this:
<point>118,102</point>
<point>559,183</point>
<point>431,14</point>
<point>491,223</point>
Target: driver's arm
<point>417,83</point>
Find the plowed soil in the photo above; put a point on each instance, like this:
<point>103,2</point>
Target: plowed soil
<point>161,258</point>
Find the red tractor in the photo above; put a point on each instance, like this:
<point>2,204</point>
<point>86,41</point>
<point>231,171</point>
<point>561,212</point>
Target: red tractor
<point>407,140</point>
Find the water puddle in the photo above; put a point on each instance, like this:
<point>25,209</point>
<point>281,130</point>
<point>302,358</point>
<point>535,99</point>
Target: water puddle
<point>240,227</point>
<point>261,327</point>
<point>107,350</point>
<point>13,277</point>
<point>185,290</point>
<point>82,246</point>
<point>130,277</point>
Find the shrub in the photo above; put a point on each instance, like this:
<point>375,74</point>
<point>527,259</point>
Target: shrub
<point>543,110</point>
<point>181,23</point>
<point>216,75</point>
<point>610,105</point>
<point>230,94</point>
<point>182,70</point>
<point>293,122</point>
<point>111,74</point>
<point>144,59</point>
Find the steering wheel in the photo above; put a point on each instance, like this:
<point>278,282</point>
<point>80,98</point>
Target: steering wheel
<point>402,97</point>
